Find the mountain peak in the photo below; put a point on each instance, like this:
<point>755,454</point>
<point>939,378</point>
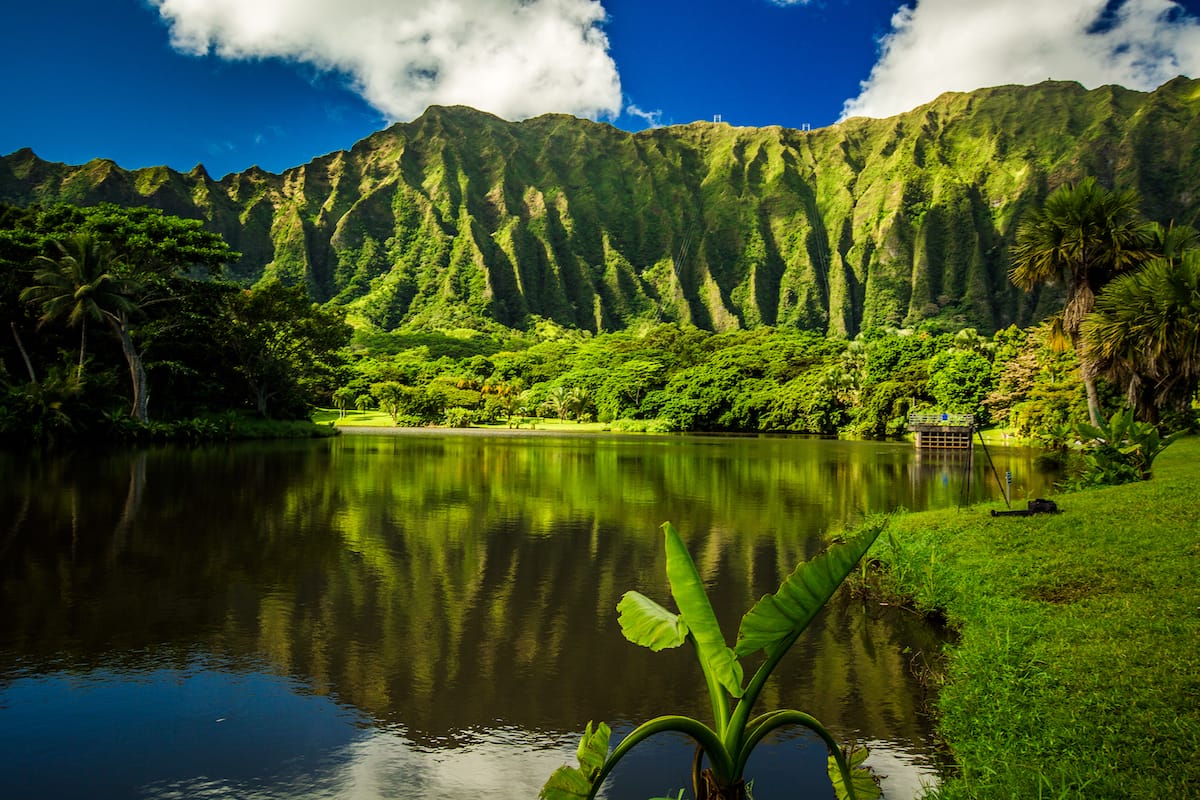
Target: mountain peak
<point>461,219</point>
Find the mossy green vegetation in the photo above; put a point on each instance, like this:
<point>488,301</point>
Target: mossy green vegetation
<point>462,219</point>
<point>1077,668</point>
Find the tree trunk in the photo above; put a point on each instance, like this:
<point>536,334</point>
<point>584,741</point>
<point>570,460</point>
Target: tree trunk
<point>260,398</point>
<point>137,373</point>
<point>1093,400</point>
<point>1089,382</point>
<point>82,345</point>
<point>24,355</point>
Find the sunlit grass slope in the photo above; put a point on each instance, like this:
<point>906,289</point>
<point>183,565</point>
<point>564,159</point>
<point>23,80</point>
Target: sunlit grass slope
<point>1078,669</point>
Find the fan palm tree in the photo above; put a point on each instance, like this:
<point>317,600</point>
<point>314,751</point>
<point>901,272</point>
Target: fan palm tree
<point>580,398</point>
<point>1144,334</point>
<point>1172,241</point>
<point>1082,237</point>
<point>80,285</point>
<point>559,402</point>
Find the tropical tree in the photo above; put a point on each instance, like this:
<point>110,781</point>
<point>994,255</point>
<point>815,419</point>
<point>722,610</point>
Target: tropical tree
<point>150,258</point>
<point>1144,335</point>
<point>960,381</point>
<point>81,284</point>
<point>580,398</point>
<point>1172,241</point>
<point>969,339</point>
<point>559,402</point>
<point>1082,237</point>
<point>390,396</point>
<point>280,340</point>
<point>510,399</point>
<point>342,398</point>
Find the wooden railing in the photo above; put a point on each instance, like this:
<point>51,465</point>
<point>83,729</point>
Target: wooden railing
<point>941,418</point>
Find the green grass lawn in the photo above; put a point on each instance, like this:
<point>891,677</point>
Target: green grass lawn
<point>378,419</point>
<point>1077,671</point>
<point>365,419</point>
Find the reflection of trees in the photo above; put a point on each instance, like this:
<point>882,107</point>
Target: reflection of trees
<point>446,583</point>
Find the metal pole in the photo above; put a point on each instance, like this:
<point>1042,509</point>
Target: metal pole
<point>968,471</point>
<point>993,466</point>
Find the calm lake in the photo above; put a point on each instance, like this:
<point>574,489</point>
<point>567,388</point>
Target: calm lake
<point>431,615</point>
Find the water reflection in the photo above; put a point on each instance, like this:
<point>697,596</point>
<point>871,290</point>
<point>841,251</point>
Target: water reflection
<point>420,616</point>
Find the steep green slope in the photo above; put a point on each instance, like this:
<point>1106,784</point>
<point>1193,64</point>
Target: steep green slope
<point>460,216</point>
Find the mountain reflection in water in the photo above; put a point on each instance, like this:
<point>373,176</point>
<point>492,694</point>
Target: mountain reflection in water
<point>425,616</point>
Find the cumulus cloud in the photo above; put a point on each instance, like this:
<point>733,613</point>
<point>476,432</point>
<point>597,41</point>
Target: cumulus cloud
<point>951,45</point>
<point>514,58</point>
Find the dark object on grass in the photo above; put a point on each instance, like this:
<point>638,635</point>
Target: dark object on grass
<point>1038,506</point>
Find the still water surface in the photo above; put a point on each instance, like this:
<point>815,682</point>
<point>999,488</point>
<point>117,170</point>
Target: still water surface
<point>429,615</point>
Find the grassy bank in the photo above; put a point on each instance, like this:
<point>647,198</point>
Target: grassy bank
<point>1077,673</point>
<point>379,419</point>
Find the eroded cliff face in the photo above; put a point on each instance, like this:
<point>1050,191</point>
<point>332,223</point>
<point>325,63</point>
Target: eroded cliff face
<point>459,216</point>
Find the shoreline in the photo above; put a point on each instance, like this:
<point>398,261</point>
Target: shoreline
<point>401,430</point>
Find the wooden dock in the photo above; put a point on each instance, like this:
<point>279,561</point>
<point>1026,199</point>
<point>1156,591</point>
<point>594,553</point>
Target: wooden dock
<point>942,431</point>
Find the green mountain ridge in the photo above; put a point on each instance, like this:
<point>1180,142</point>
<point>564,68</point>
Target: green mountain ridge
<point>460,217</point>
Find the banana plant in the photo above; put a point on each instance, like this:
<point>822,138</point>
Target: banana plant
<point>1122,441</point>
<point>770,627</point>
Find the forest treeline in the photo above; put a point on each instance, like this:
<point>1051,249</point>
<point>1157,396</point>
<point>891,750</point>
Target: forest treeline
<point>120,325</point>
<point>121,320</point>
<point>673,377</point>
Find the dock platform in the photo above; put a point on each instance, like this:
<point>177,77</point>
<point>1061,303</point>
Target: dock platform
<point>942,431</point>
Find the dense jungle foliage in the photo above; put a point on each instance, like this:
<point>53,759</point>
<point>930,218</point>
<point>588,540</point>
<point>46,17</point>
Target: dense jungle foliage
<point>459,219</point>
<point>110,306</point>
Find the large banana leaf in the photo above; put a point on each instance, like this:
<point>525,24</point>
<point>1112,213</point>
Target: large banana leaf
<point>576,783</point>
<point>778,618</point>
<point>646,623</point>
<point>865,784</point>
<point>716,657</point>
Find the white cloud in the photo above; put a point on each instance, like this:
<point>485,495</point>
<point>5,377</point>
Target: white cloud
<point>514,58</point>
<point>653,118</point>
<point>955,45</point>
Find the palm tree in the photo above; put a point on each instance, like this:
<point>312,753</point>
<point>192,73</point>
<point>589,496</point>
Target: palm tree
<point>1082,236</point>
<point>510,400</point>
<point>559,402</point>
<point>342,398</point>
<point>580,398</point>
<point>1144,334</point>
<point>80,285</point>
<point>1172,241</point>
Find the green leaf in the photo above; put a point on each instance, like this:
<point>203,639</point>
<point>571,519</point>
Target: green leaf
<point>573,783</point>
<point>593,749</point>
<point>776,619</point>
<point>566,783</point>
<point>717,659</point>
<point>862,779</point>
<point>646,623</point>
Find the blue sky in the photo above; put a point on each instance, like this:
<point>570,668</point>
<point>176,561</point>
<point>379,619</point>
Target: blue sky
<point>233,83</point>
